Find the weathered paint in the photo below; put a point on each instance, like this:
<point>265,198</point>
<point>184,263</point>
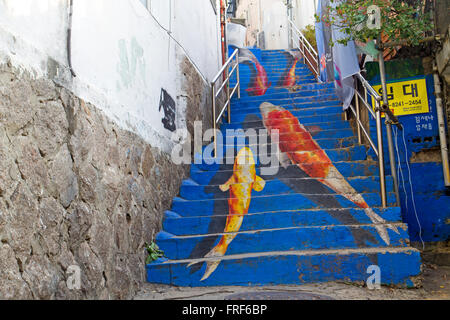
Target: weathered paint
<point>275,269</point>
<point>177,225</point>
<point>240,186</point>
<point>432,202</point>
<point>297,228</point>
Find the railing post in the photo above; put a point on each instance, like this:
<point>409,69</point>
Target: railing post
<point>238,76</point>
<point>389,128</point>
<point>228,95</point>
<point>381,157</point>
<point>213,93</point>
<point>358,117</point>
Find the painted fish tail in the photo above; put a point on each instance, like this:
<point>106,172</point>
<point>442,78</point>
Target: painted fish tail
<point>381,225</point>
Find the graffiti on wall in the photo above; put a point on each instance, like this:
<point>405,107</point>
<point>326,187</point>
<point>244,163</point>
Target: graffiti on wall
<point>167,104</point>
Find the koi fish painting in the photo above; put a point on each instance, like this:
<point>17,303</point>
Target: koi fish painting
<point>240,186</point>
<point>259,82</point>
<point>297,146</point>
<point>289,77</point>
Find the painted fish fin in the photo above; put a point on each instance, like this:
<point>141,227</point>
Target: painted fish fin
<point>284,159</point>
<point>259,184</point>
<point>211,266</point>
<point>192,263</point>
<point>226,186</point>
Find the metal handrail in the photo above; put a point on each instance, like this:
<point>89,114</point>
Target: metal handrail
<point>305,47</point>
<point>226,83</point>
<point>378,149</point>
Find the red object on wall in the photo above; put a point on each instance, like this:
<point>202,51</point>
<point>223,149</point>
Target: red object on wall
<point>223,22</point>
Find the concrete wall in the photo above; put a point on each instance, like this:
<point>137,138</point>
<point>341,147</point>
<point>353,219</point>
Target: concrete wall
<point>85,168</point>
<point>121,56</point>
<point>303,12</point>
<point>269,17</point>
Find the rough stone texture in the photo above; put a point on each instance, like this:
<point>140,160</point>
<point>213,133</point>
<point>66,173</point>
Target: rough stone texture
<point>75,189</point>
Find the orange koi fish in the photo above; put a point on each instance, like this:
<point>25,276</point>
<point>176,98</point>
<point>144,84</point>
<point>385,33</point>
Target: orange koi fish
<point>297,146</point>
<point>291,78</point>
<point>240,185</point>
<point>259,80</point>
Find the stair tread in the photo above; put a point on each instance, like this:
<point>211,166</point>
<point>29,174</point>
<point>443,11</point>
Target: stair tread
<point>346,251</point>
<point>258,196</point>
<point>297,178</point>
<point>293,228</point>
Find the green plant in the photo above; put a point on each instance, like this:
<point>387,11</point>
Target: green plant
<point>401,20</point>
<point>153,252</point>
<point>310,34</point>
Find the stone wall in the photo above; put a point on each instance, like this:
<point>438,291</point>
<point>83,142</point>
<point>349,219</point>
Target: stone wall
<point>75,189</point>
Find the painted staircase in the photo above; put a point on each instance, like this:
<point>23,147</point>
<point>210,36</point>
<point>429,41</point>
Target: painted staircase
<point>295,230</point>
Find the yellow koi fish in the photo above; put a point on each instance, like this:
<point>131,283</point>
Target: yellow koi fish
<point>240,185</point>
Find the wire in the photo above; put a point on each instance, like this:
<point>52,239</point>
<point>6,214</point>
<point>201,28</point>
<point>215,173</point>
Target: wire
<point>169,33</point>
<point>410,182</point>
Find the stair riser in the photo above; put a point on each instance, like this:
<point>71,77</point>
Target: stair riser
<point>347,169</point>
<point>339,124</point>
<point>329,98</point>
<point>396,268</point>
<point>324,134</point>
<point>204,225</point>
<point>275,203</point>
<point>352,154</point>
<point>274,187</point>
<point>312,120</point>
<point>328,143</point>
<point>271,71</point>
<point>305,86</point>
<point>285,94</point>
<point>239,116</point>
<point>303,238</point>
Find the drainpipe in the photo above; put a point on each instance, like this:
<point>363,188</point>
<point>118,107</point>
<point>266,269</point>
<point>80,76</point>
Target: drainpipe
<point>223,22</point>
<point>441,121</point>
<point>69,39</point>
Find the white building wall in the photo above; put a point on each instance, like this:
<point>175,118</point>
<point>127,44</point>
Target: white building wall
<point>275,26</point>
<point>121,55</point>
<point>268,16</point>
<point>303,12</point>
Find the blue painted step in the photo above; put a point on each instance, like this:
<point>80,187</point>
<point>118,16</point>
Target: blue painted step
<point>336,133</point>
<point>399,265</point>
<point>341,154</point>
<point>346,168</point>
<point>191,190</point>
<point>289,239</point>
<point>175,224</point>
<point>296,229</point>
<point>282,202</point>
<point>337,124</point>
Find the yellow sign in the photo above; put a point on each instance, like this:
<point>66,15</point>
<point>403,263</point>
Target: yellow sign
<point>406,97</point>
